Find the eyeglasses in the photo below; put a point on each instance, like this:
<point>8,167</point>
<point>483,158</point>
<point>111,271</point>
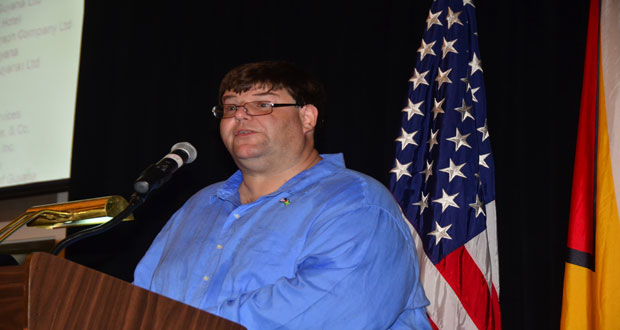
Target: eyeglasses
<point>256,108</point>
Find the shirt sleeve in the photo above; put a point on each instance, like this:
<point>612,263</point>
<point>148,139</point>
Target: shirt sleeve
<point>358,270</point>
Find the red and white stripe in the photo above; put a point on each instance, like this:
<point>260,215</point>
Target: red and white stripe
<point>464,287</point>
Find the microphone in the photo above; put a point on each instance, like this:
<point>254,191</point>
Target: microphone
<point>159,173</point>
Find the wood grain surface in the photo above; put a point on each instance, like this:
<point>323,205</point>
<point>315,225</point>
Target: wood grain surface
<point>12,293</point>
<point>65,295</point>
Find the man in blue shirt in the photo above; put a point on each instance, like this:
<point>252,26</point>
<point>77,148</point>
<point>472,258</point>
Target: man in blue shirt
<point>293,240</point>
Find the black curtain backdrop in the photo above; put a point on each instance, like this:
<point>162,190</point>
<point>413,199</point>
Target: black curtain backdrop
<point>150,72</point>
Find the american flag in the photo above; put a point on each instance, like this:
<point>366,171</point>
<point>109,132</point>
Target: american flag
<point>443,172</point>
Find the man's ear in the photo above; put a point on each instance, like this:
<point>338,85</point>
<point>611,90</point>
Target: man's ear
<point>309,115</point>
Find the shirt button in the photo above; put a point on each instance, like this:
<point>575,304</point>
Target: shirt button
<point>237,216</point>
<point>206,278</point>
<point>219,246</point>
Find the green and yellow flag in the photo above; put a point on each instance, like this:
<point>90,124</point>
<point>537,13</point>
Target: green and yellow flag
<point>592,275</point>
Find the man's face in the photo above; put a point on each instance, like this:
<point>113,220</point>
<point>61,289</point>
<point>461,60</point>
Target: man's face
<point>273,138</point>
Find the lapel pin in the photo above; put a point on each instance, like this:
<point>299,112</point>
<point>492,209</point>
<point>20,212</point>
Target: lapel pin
<point>285,201</point>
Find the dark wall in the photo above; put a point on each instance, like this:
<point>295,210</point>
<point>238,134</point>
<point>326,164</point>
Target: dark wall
<point>149,76</point>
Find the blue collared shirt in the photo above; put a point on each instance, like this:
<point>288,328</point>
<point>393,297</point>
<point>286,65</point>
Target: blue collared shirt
<point>328,250</point>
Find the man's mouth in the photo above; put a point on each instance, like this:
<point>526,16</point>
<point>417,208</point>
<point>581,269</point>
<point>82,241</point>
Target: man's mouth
<point>243,132</point>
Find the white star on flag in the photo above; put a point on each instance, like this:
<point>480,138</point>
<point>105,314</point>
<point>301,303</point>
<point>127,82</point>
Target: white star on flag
<point>484,130</point>
<point>423,203</point>
<point>459,140</point>
<point>448,47</point>
<point>437,108</point>
<point>467,85</point>
<point>433,18</point>
<point>478,206</point>
<point>433,139</point>
<point>453,18</point>
<point>453,171</point>
<point>475,64</point>
<point>406,139</point>
<point>446,200</point>
<point>413,109</point>
<point>418,78</point>
<point>428,171</point>
<point>442,77</point>
<point>440,232</point>
<point>482,161</point>
<point>400,170</point>
<point>473,94</point>
<point>464,110</point>
<point>426,49</point>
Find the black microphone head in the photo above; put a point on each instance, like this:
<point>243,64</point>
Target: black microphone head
<point>187,148</point>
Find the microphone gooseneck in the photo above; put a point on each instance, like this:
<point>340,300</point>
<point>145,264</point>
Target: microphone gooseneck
<point>153,177</point>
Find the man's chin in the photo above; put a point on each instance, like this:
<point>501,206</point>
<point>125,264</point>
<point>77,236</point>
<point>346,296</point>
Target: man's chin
<point>246,153</point>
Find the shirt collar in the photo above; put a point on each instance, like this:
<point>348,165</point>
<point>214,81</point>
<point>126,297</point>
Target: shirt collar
<point>229,190</point>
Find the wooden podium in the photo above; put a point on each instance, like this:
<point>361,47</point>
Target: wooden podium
<point>49,292</point>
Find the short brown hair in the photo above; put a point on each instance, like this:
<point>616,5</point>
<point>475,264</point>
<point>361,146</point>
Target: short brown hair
<point>275,75</point>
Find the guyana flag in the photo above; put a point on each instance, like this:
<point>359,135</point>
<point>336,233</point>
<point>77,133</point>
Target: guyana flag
<point>592,274</point>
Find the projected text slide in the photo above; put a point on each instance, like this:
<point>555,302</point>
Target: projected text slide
<point>39,60</point>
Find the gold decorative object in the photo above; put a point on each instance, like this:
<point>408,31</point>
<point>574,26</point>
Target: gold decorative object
<point>70,214</point>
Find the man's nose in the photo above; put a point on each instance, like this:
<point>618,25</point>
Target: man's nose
<point>242,113</point>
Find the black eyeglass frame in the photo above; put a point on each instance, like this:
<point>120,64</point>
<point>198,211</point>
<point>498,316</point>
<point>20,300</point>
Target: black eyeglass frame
<point>219,108</point>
